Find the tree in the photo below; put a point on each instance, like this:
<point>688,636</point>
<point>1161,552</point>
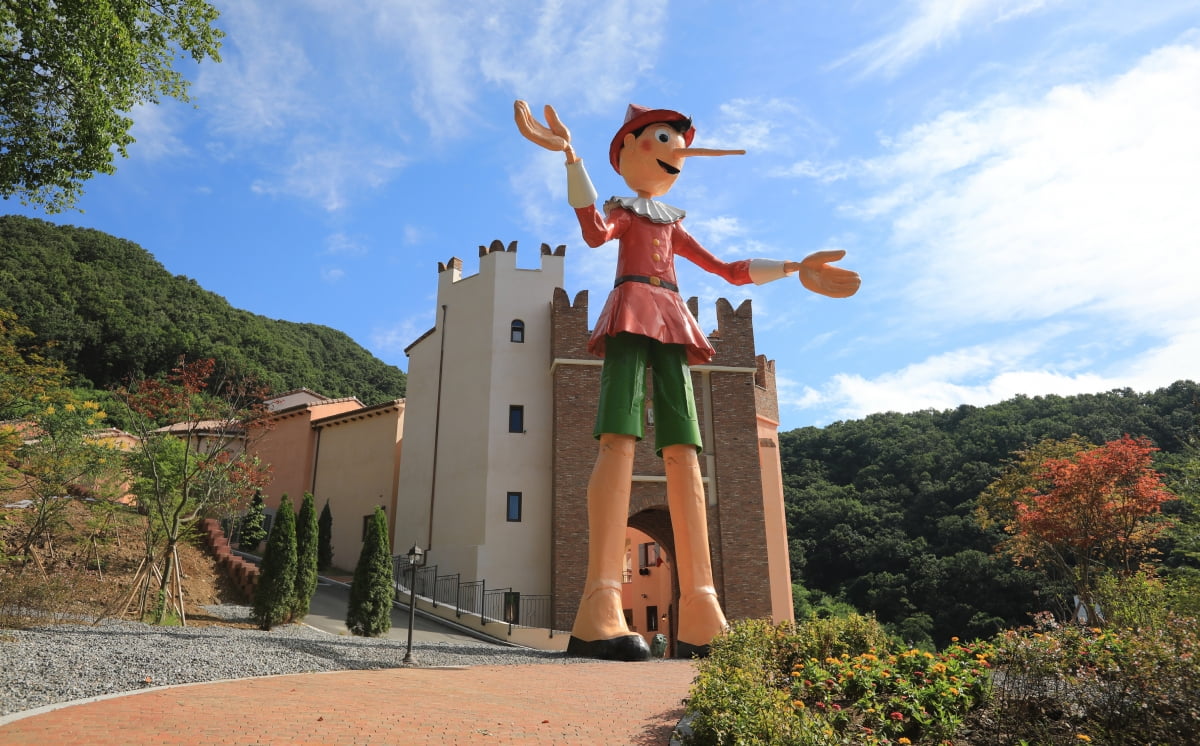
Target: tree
<point>254,524</point>
<point>306,557</point>
<point>997,505</point>
<point>59,457</point>
<point>194,457</point>
<point>274,598</point>
<point>47,445</point>
<point>371,595</point>
<point>70,74</point>
<point>325,539</point>
<point>1095,513</point>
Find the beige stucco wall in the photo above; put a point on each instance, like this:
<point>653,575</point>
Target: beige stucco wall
<point>478,460</point>
<point>357,467</point>
<point>289,445</point>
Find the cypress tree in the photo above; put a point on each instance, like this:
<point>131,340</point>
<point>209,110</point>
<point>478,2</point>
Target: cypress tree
<point>325,539</point>
<point>277,575</point>
<point>306,557</point>
<point>370,612</point>
<point>253,531</point>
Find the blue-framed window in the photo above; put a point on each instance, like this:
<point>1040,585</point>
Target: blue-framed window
<point>516,418</point>
<point>513,509</point>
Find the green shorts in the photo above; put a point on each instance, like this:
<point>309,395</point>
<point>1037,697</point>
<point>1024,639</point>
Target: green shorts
<point>622,408</point>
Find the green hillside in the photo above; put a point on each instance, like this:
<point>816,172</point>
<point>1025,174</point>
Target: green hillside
<point>881,510</point>
<point>109,310</point>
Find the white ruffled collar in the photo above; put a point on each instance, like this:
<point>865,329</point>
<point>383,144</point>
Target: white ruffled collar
<point>652,210</point>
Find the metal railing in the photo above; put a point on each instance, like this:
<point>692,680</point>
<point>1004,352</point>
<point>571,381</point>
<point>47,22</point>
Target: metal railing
<point>491,605</point>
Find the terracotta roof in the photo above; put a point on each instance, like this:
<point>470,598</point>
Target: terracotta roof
<point>359,413</point>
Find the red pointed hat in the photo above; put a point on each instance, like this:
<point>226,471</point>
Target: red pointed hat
<point>639,116</point>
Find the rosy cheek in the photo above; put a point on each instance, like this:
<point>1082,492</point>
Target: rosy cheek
<point>645,145</point>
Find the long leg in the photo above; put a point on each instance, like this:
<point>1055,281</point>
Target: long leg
<point>600,630</point>
<point>700,615</point>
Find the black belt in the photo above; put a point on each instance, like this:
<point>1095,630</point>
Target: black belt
<point>655,281</point>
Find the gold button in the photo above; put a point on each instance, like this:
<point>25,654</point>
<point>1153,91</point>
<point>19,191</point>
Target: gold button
<point>655,281</point>
<point>656,242</point>
<point>656,257</point>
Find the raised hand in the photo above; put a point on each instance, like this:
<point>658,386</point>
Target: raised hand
<point>556,136</point>
<point>819,276</point>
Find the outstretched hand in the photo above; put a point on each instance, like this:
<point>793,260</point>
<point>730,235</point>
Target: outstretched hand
<point>556,136</point>
<point>819,276</point>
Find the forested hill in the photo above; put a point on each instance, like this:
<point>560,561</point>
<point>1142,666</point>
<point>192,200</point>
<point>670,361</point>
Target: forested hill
<point>881,510</point>
<point>112,310</point>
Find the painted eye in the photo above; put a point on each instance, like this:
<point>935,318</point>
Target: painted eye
<point>663,135</point>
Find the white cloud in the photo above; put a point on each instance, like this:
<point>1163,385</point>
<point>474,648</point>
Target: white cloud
<point>825,173</point>
<point>330,173</point>
<point>413,235</point>
<point>931,24</point>
<point>153,131</point>
<point>1067,221</point>
<point>986,374</point>
<point>716,230</point>
<point>1083,200</point>
<point>390,341</point>
<point>340,243</point>
<point>978,374</point>
<point>332,274</point>
<point>259,88</point>
<point>570,50</point>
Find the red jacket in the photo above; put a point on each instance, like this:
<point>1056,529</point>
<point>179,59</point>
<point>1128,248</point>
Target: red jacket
<point>648,249</point>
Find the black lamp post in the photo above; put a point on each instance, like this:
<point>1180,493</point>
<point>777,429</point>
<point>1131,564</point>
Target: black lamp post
<point>416,557</point>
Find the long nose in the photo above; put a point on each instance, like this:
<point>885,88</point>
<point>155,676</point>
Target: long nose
<point>689,152</point>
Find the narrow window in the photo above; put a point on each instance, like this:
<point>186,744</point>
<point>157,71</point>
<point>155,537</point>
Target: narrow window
<point>514,507</point>
<point>367,524</point>
<point>628,618</point>
<point>516,418</point>
<point>517,331</point>
<point>652,618</point>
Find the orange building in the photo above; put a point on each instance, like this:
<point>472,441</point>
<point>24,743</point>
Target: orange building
<point>340,451</point>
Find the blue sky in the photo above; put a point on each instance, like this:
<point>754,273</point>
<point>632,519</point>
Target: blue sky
<point>1017,181</point>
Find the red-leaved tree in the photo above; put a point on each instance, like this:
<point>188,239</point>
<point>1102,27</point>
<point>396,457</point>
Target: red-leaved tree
<point>1098,510</point>
<point>194,458</point>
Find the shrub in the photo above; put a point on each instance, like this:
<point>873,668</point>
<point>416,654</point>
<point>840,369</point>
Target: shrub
<point>325,539</point>
<point>738,697</point>
<point>1116,686</point>
<point>306,557</point>
<point>253,525</point>
<point>888,693</point>
<point>840,680</point>
<point>273,598</point>
<point>28,599</point>
<point>371,594</point>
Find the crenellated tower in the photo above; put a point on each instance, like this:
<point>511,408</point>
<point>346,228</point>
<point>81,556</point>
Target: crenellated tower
<point>498,445</point>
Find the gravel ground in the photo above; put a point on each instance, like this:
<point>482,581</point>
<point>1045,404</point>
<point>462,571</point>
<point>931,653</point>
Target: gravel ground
<point>60,663</point>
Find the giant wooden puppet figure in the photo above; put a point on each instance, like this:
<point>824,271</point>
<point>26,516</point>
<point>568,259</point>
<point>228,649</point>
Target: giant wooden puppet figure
<point>646,323</point>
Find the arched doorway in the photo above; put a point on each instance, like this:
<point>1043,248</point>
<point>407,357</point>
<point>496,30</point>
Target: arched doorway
<point>652,587</point>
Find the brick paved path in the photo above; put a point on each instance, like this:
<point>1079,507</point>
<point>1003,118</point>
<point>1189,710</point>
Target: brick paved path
<point>615,704</point>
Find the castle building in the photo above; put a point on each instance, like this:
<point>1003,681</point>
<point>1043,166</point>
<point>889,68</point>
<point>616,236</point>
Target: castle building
<point>498,449</point>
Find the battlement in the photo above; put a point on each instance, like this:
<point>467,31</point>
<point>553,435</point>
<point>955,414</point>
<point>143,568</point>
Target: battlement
<point>733,339</point>
<point>497,261</point>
